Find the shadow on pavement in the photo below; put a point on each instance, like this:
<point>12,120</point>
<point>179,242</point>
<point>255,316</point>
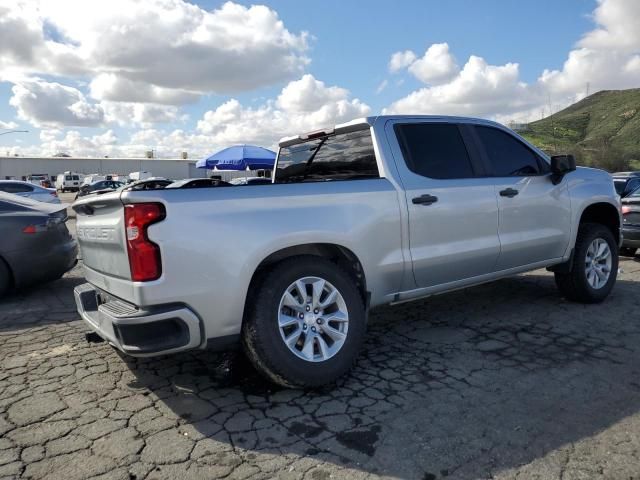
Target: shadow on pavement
<point>465,385</point>
<point>42,304</point>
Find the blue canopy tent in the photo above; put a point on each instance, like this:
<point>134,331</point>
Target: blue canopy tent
<point>240,157</point>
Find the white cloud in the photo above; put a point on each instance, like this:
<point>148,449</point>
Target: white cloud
<point>436,66</point>
<point>142,114</point>
<point>151,57</point>
<point>52,104</point>
<point>400,60</point>
<point>174,50</point>
<point>302,105</point>
<point>382,86</point>
<point>8,125</point>
<point>111,87</point>
<point>608,57</point>
<point>478,89</point>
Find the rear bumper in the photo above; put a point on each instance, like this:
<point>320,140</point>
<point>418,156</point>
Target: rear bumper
<point>631,237</point>
<point>52,262</point>
<point>136,331</point>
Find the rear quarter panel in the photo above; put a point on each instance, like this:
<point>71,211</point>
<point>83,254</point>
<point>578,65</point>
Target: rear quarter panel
<point>213,240</point>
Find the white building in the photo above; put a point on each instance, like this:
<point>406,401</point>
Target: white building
<point>19,167</point>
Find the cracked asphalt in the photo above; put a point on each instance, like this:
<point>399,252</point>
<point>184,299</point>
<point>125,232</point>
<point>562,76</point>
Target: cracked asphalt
<point>504,381</point>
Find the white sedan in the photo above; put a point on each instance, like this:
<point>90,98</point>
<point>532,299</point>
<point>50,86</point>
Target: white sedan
<point>29,190</point>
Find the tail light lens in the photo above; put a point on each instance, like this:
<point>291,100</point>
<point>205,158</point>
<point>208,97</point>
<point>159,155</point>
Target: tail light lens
<point>31,229</point>
<point>144,255</point>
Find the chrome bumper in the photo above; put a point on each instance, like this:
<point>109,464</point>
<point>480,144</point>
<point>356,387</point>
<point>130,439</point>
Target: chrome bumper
<point>140,332</point>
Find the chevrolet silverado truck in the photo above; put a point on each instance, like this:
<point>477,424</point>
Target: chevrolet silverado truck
<point>376,211</point>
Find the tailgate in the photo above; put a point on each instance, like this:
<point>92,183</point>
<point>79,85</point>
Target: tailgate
<point>101,234</point>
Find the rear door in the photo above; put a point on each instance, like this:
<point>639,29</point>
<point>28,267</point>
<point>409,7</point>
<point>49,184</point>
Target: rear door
<point>534,214</point>
<point>453,212</point>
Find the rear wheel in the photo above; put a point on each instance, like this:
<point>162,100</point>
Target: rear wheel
<point>594,268</point>
<point>305,324</point>
<point>628,251</point>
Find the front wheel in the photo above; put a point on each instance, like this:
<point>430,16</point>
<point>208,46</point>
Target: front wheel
<point>594,268</point>
<point>305,324</point>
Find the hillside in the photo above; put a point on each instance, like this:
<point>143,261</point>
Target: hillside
<point>602,130</point>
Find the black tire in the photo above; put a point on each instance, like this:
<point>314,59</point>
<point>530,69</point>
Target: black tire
<point>574,285</point>
<point>5,278</point>
<point>261,337</point>
<point>628,252</point>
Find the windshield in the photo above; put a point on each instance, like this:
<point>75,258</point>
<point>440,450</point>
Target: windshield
<point>635,193</point>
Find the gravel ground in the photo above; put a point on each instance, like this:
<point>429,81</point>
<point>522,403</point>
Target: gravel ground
<point>505,380</point>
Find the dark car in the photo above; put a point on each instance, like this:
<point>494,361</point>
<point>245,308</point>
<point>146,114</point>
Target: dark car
<point>102,185</point>
<point>153,183</point>
<point>252,181</point>
<point>198,183</point>
<point>35,244</point>
<point>631,223</point>
<point>626,182</point>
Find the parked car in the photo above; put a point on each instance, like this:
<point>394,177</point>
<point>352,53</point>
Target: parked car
<point>631,224</point>
<point>93,178</point>
<point>251,181</point>
<point>103,185</point>
<point>152,183</point>
<point>135,176</point>
<point>198,183</point>
<point>68,182</point>
<point>381,210</point>
<point>35,244</point>
<point>29,190</point>
<point>626,182</point>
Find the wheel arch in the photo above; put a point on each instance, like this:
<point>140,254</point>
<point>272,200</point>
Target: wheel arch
<point>338,254</point>
<point>12,278</point>
<point>605,214</point>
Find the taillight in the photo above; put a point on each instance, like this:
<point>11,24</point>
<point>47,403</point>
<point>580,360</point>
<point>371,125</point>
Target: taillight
<point>30,229</point>
<point>144,255</point>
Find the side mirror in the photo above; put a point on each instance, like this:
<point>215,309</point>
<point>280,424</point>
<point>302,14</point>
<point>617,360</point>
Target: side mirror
<point>560,166</point>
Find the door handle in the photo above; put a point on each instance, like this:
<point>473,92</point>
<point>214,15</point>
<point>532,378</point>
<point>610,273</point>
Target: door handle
<point>509,192</point>
<point>424,200</point>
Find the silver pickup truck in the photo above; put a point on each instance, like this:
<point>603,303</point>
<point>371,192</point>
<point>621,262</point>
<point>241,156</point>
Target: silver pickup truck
<point>376,211</point>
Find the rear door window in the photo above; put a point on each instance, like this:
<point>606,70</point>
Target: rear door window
<point>508,156</point>
<point>344,156</point>
<point>434,150</point>
<point>75,177</point>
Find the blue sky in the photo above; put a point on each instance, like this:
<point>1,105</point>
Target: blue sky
<point>348,48</point>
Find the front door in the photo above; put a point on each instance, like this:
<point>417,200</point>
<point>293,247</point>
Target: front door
<point>534,214</point>
<point>453,212</point>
